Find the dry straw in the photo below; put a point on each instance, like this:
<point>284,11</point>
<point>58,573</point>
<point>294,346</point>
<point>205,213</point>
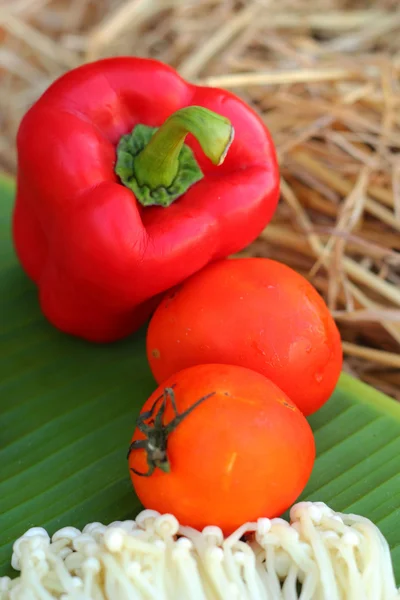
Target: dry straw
<point>324,75</point>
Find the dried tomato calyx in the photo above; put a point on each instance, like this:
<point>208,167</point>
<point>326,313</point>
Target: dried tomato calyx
<point>155,442</point>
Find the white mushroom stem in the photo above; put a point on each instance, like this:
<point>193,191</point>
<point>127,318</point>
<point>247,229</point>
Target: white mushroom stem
<point>327,555</point>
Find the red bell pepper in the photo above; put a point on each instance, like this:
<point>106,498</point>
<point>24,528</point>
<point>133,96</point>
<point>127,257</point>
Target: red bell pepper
<point>106,220</point>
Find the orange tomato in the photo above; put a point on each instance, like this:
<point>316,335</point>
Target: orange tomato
<point>242,453</point>
<point>252,312</point>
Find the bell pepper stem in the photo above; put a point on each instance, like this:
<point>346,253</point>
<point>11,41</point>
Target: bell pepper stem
<point>157,164</point>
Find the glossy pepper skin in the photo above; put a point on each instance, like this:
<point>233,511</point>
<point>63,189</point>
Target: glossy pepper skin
<point>99,258</point>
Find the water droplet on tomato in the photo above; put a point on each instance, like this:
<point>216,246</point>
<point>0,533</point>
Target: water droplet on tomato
<point>204,347</point>
<point>318,377</point>
<point>257,347</point>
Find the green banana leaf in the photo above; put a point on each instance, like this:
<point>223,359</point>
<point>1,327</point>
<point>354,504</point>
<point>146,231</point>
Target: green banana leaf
<point>68,409</point>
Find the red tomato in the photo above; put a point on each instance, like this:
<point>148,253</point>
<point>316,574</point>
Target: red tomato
<point>242,453</point>
<point>253,312</point>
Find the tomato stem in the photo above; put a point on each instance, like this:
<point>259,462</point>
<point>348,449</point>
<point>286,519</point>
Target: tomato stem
<point>155,442</point>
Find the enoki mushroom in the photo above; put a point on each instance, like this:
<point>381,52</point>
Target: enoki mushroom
<point>320,555</point>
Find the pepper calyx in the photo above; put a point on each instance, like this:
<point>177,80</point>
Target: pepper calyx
<point>158,166</point>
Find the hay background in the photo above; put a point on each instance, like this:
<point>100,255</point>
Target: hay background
<point>324,74</point>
